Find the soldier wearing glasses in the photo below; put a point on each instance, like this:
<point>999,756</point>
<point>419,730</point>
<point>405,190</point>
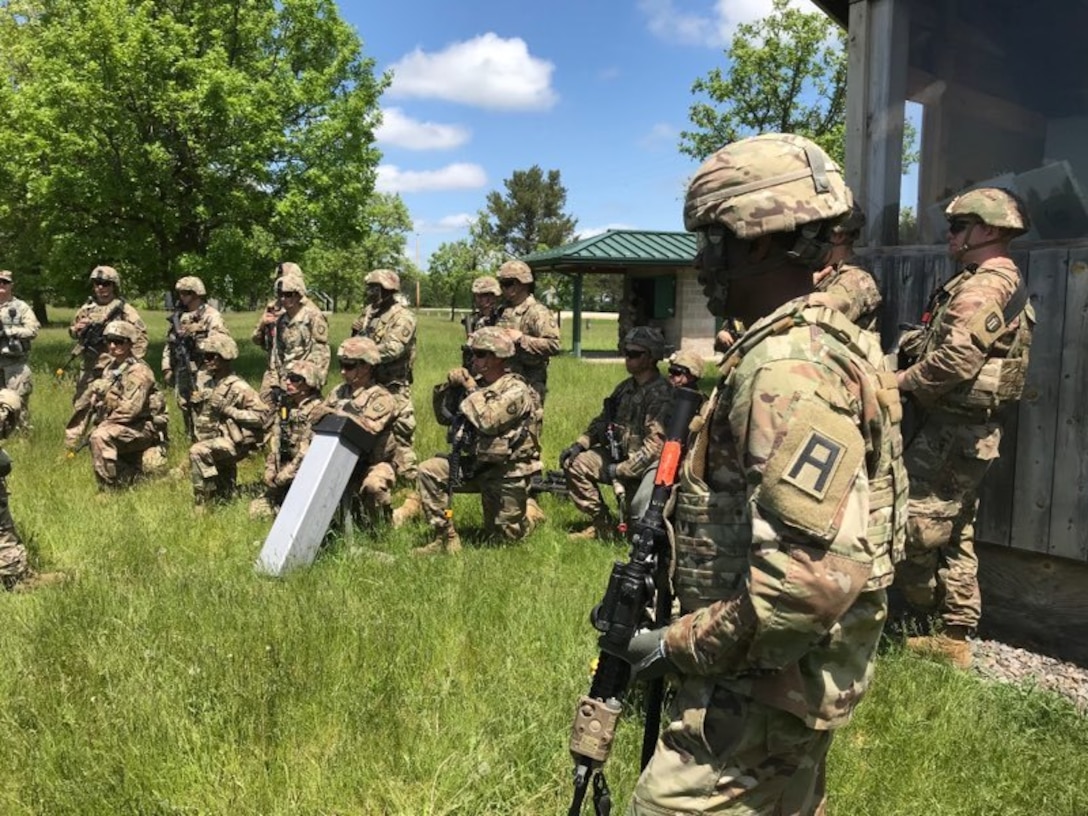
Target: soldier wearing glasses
<point>104,305</point>
<point>18,327</point>
<point>636,412</point>
<point>531,324</point>
<point>296,330</point>
<point>964,366</point>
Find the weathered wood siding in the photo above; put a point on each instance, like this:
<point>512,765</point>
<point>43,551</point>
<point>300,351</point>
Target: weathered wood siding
<point>1036,497</point>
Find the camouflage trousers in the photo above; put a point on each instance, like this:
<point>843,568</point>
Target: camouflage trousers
<point>213,465</point>
<point>503,497</point>
<point>13,559</point>
<point>404,430</point>
<point>16,374</point>
<point>374,494</point>
<point>725,754</point>
<point>946,462</point>
<point>117,451</point>
<point>588,471</point>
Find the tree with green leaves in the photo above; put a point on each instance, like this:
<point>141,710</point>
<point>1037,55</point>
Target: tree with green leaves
<point>529,216</point>
<point>170,138</point>
<point>787,74</point>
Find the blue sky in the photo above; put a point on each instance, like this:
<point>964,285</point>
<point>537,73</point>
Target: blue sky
<point>597,90</point>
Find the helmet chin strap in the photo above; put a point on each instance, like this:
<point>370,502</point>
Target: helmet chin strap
<point>965,247</point>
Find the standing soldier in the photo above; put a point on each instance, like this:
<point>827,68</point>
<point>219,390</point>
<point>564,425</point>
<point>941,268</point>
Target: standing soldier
<point>298,408</point>
<point>966,364</point>
<point>856,293</point>
<point>191,321</point>
<point>18,327</point>
<point>373,407</point>
<point>392,327</point>
<point>122,414</point>
<point>533,327</point>
<point>486,304</point>
<point>789,506</point>
<point>492,418</point>
<point>296,330</point>
<point>229,419</point>
<point>104,306</point>
<point>625,440</point>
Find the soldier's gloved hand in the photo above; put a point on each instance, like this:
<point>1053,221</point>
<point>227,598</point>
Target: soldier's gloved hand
<point>5,464</point>
<point>569,454</point>
<point>645,652</point>
<point>460,378</point>
<point>217,403</point>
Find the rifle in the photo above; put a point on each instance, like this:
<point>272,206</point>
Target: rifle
<point>462,434</point>
<point>631,590</point>
<point>91,337</point>
<point>550,481</point>
<point>181,357</point>
<point>616,454</point>
<point>94,413</point>
<point>8,344</point>
<point>282,400</point>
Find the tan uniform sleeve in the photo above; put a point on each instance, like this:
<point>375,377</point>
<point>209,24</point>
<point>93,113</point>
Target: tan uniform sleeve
<point>540,332</point>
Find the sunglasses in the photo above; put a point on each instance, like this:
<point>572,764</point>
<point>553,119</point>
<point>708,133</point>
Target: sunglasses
<point>100,282</point>
<point>347,365</point>
<point>297,379</point>
<point>116,341</point>
<point>211,355</point>
<point>634,354</point>
<point>958,225</point>
<point>182,292</point>
<point>506,283</point>
<point>5,282</point>
<point>480,353</point>
<point>677,371</point>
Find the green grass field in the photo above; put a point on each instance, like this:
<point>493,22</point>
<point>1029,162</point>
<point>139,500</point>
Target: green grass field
<point>168,678</point>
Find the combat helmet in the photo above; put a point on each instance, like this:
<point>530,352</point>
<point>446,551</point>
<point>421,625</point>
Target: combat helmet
<point>493,339</point>
<point>106,273</point>
<point>10,400</point>
<point>516,270</point>
<point>646,337</point>
<point>288,268</point>
<point>359,348</point>
<point>306,370</point>
<point>291,283</point>
<point>122,329</point>
<point>385,278</point>
<point>689,360</point>
<point>486,285</point>
<point>219,343</point>
<point>993,206</point>
<point>191,283</point>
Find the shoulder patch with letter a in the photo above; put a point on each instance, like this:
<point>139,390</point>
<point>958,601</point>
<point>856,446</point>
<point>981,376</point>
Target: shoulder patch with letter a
<point>812,470</point>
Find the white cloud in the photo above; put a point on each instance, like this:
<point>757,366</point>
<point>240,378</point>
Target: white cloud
<point>447,223</point>
<point>458,176</point>
<point>486,71</point>
<point>589,232</point>
<point>713,27</point>
<point>660,135</point>
<point>400,130</point>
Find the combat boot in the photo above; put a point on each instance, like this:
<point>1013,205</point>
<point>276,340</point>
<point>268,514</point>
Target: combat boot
<point>410,509</point>
<point>950,644</point>
<point>445,541</point>
<point>534,516</point>
<point>602,527</point>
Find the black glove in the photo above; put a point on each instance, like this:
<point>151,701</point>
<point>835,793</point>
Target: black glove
<point>5,464</point>
<point>568,455</point>
<point>646,654</point>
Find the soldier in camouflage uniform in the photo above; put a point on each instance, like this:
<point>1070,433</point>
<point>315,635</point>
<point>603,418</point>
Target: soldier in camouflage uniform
<point>392,327</point>
<point>533,326</point>
<point>229,420</point>
<point>297,330</point>
<point>685,369</point>
<point>122,414</point>
<point>790,504</point>
<point>104,306</point>
<point>492,412</point>
<point>854,291</point>
<point>965,365</point>
<point>298,409</point>
<point>195,320</point>
<point>374,409</point>
<point>637,410</point>
<point>18,328</point>
<point>486,304</point>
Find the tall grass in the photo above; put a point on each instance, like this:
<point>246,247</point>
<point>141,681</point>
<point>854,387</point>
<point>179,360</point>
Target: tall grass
<point>168,678</point>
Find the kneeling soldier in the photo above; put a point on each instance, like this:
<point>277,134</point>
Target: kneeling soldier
<point>493,416</point>
<point>229,421</point>
<point>298,406</point>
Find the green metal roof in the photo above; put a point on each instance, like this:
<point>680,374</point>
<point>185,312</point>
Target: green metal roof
<point>619,248</point>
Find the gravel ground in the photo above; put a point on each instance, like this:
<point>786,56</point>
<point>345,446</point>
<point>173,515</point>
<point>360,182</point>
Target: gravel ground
<point>1009,664</point>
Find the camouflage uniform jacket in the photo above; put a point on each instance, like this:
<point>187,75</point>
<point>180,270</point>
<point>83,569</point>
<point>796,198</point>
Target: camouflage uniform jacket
<point>966,358</point>
<point>375,411</point>
<point>539,340</point>
<point>788,516</point>
<point>857,294</point>
<point>503,415</point>
<point>393,331</point>
<point>291,440</point>
<point>126,394</point>
<point>477,320</point>
<point>94,313</point>
<point>229,407</point>
<point>639,413</point>
<point>20,327</point>
<point>302,337</point>
<point>196,324</point>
